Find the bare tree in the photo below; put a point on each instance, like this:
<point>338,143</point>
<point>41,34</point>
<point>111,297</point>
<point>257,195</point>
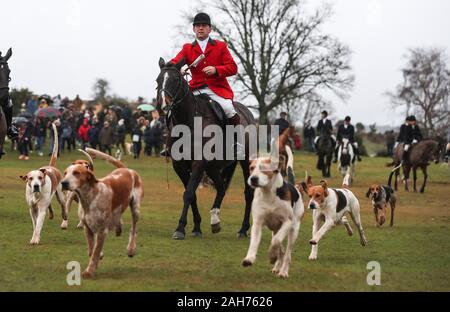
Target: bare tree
<point>281,50</point>
<point>425,90</point>
<point>304,110</point>
<point>101,89</point>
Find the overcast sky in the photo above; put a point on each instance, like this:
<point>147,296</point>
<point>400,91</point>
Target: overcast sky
<point>61,47</point>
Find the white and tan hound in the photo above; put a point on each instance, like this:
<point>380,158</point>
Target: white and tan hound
<point>278,205</point>
<point>41,186</point>
<point>103,202</point>
<point>330,206</point>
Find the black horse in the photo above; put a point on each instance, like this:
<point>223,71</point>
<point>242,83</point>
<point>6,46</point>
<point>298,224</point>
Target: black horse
<point>181,106</point>
<point>4,96</point>
<point>325,151</point>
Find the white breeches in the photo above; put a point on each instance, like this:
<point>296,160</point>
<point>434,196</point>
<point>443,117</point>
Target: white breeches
<point>407,146</point>
<point>227,104</point>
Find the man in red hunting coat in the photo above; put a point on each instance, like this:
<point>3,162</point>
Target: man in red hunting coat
<point>210,75</point>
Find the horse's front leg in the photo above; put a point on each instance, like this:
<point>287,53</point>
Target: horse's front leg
<point>415,179</point>
<point>425,178</point>
<point>219,185</point>
<point>188,199</point>
<point>185,176</point>
<point>248,193</point>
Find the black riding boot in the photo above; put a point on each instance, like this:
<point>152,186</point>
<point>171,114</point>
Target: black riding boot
<point>240,149</point>
<point>12,130</point>
<point>405,156</point>
<point>336,150</point>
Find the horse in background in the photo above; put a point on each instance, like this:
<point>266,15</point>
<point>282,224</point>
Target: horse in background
<point>4,95</point>
<point>420,156</point>
<point>325,151</point>
<point>346,159</point>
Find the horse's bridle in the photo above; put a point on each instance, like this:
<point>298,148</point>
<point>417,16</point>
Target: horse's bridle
<point>9,78</point>
<point>175,98</point>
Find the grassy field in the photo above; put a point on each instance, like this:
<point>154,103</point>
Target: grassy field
<point>414,255</point>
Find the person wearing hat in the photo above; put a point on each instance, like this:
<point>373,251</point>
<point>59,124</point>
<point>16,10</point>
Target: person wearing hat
<point>411,135</point>
<point>282,123</point>
<point>324,126</point>
<point>210,75</point>
<point>346,130</point>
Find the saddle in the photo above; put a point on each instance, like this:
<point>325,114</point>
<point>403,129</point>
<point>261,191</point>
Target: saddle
<point>216,108</point>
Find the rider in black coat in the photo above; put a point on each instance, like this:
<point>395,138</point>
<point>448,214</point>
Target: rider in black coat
<point>346,130</point>
<point>410,134</point>
<point>324,126</point>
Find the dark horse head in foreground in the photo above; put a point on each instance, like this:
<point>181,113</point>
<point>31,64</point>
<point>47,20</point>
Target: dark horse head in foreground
<point>4,94</point>
<point>181,107</point>
<point>420,156</point>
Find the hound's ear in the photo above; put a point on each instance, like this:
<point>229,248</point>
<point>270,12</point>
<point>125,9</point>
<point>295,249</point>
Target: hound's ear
<point>309,182</point>
<point>302,187</point>
<point>324,185</point>
<point>24,178</point>
<point>162,63</point>
<point>8,54</point>
<point>91,177</point>
<point>368,193</point>
<point>181,63</point>
<point>43,171</point>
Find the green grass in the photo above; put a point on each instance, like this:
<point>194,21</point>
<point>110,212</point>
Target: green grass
<point>414,255</point>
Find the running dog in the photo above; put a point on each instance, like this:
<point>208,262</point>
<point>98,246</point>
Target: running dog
<point>278,205</point>
<point>380,196</point>
<point>330,206</point>
<point>103,202</point>
<point>41,186</point>
<point>71,196</point>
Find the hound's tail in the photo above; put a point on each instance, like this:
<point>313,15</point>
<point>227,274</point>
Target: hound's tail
<point>290,165</point>
<point>55,146</point>
<point>97,154</point>
<point>390,178</point>
<point>346,181</point>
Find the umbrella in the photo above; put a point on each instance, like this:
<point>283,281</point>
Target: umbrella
<point>27,115</point>
<point>47,98</point>
<point>146,107</point>
<point>19,120</point>
<point>47,112</point>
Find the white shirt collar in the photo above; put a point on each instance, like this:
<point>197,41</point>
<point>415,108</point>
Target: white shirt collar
<point>203,43</point>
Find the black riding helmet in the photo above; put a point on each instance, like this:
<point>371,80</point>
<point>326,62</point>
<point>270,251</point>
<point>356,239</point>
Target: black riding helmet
<point>202,18</point>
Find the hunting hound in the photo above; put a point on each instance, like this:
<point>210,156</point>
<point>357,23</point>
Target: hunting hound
<point>380,197</point>
<point>278,205</point>
<point>41,186</point>
<point>103,201</point>
<point>330,206</point>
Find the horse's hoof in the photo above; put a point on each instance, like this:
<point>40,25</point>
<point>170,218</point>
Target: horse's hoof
<point>215,228</point>
<point>197,234</point>
<point>178,235</point>
<point>241,235</point>
<point>422,191</point>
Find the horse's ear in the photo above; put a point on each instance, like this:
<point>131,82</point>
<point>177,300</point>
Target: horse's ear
<point>8,54</point>
<point>162,63</point>
<point>181,63</point>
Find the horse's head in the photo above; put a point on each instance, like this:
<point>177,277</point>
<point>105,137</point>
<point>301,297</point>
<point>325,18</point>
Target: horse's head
<point>4,73</point>
<point>345,146</point>
<point>171,84</point>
